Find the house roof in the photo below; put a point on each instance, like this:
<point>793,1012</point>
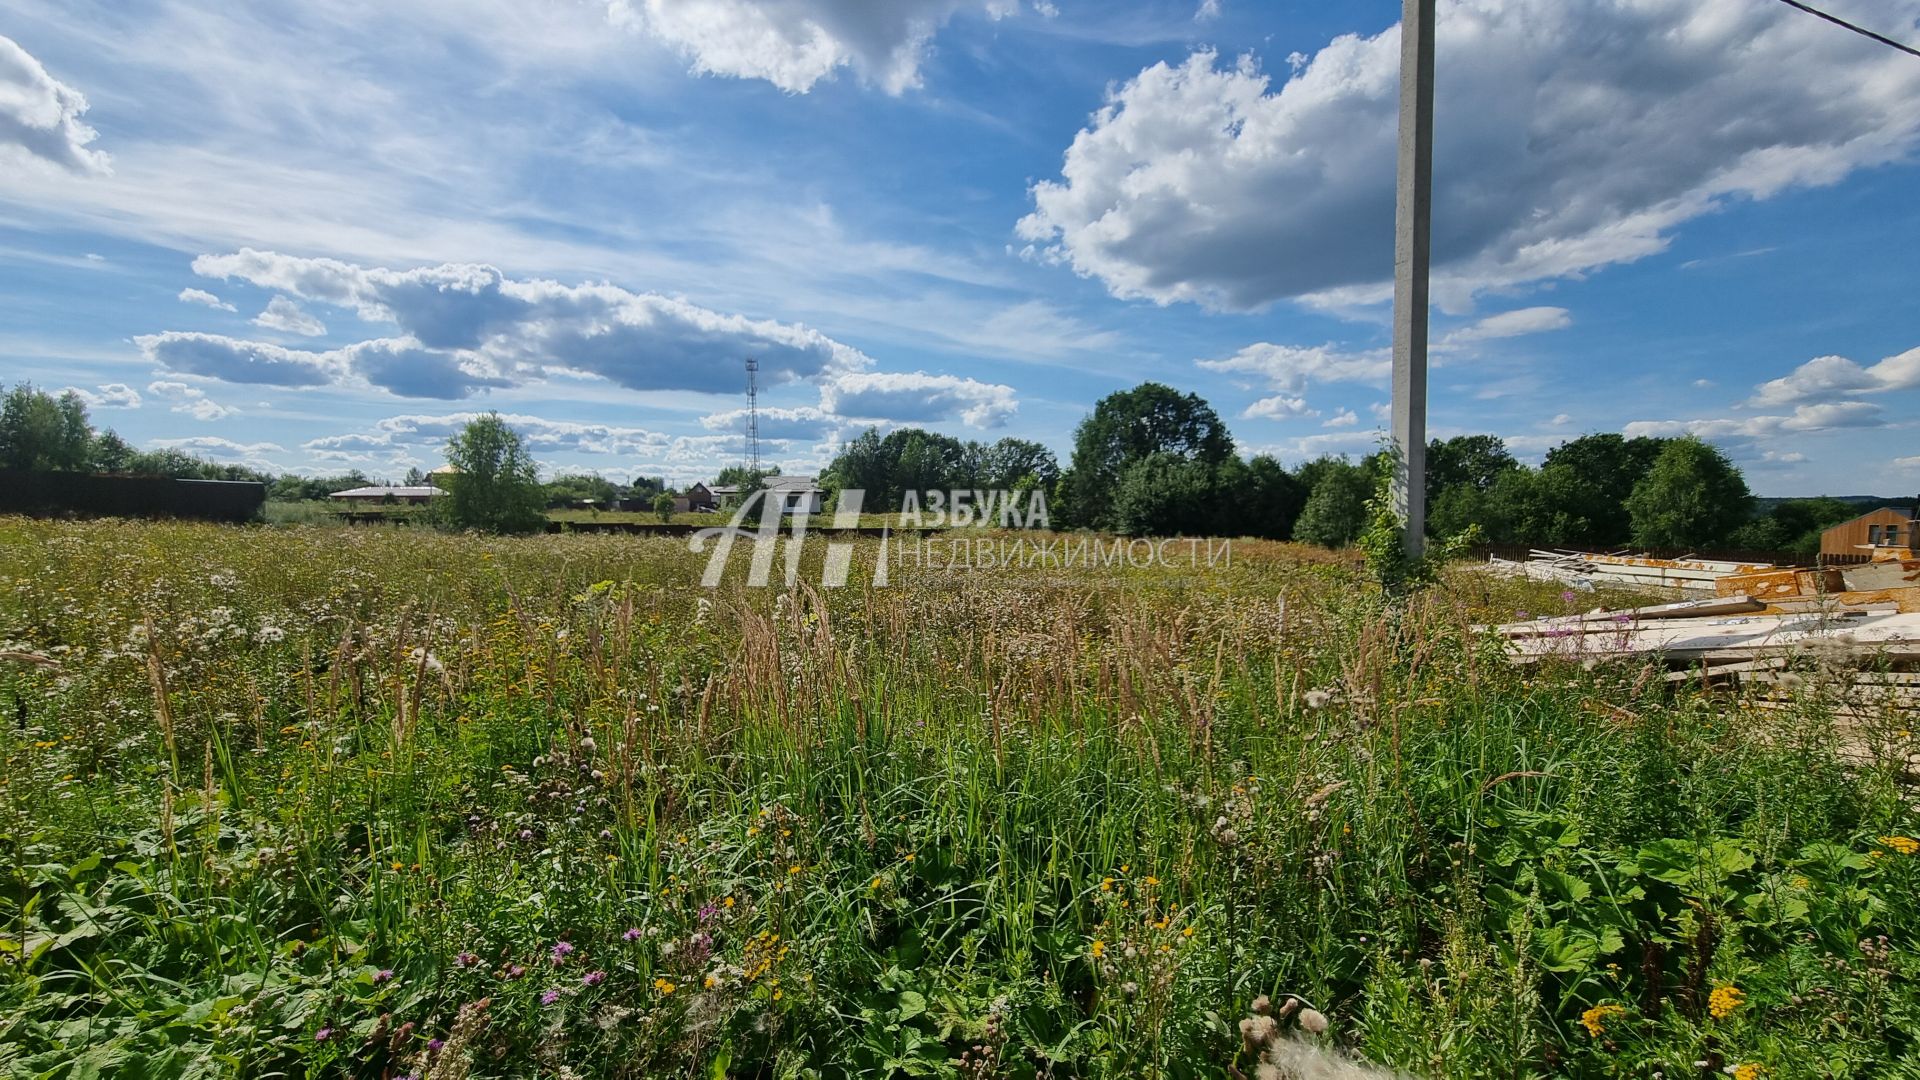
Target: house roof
<point>1899,515</point>
<point>421,491</point>
<point>790,483</point>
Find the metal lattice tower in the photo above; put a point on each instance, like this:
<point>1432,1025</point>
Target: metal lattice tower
<point>753,416</point>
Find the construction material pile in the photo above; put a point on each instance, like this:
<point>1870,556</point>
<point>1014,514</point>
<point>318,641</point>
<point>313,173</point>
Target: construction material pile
<point>1856,630</point>
<point>1584,570</point>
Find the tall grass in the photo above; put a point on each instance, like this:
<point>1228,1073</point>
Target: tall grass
<point>340,802</point>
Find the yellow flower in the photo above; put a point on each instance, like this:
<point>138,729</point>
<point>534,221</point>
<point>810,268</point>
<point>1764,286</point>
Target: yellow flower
<point>909,856</point>
<point>1106,884</point>
<point>1596,1018</point>
<point>397,866</point>
<point>1152,881</point>
<point>1187,933</point>
<point>1162,924</point>
<point>876,883</point>
<point>1724,1000</point>
<point>1905,845</point>
<point>664,987</point>
<point>1099,949</point>
<point>1748,1071</point>
<point>727,903</point>
<point>1124,867</point>
<point>793,870</point>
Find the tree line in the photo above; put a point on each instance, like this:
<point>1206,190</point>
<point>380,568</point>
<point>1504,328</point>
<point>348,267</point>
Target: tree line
<point>1150,461</point>
<point>1153,461</point>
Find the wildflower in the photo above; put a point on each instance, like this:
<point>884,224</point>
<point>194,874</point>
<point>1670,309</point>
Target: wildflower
<point>383,975</point>
<point>632,934</point>
<point>593,978</point>
<point>1106,884</point>
<point>561,950</point>
<point>664,987</point>
<point>323,1035</point>
<point>791,870</point>
<point>514,971</point>
<point>465,960</point>
<point>876,884</point>
<point>1905,845</point>
<point>434,1045</point>
<point>549,997</point>
<point>1748,1071</point>
<point>1152,881</point>
<point>1724,1000</point>
<point>398,866</point>
<point>1098,949</point>
<point>587,745</point>
<point>1595,1018</point>
<point>727,903</point>
<point>1313,1021</point>
<point>1187,933</point>
<point>1318,699</point>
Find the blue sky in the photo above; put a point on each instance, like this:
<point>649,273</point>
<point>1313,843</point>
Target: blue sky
<point>314,237</point>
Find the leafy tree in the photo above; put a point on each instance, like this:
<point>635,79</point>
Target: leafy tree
<point>1128,426</point>
<point>663,506</point>
<point>110,453</point>
<point>40,432</point>
<point>1018,465</point>
<point>498,486</point>
<point>1602,472</point>
<point>1164,495</point>
<point>415,478</point>
<point>1336,511</point>
<point>1692,497</point>
<point>1794,525</point>
<point>1473,461</point>
<point>295,488</point>
<point>1258,498</point>
<point>579,487</point>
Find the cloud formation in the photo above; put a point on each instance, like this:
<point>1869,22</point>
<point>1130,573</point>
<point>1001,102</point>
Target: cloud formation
<point>1827,377</point>
<point>284,314</point>
<point>466,325</point>
<point>794,44</point>
<point>190,400</point>
<point>1291,368</point>
<point>418,429</point>
<point>805,423</point>
<point>1507,324</point>
<point>216,356</point>
<point>202,296</point>
<point>1807,419</point>
<point>918,397</point>
<point>40,115</point>
<point>107,396</point>
<point>1571,134</point>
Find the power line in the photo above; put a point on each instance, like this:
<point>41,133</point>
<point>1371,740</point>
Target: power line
<point>1838,21</point>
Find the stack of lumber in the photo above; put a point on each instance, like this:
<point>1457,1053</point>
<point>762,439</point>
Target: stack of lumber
<point>1585,569</point>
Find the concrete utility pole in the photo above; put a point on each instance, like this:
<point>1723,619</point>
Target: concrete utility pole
<point>1412,244</point>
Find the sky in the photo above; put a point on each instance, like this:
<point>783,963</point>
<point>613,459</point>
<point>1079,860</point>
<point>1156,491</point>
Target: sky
<point>319,236</point>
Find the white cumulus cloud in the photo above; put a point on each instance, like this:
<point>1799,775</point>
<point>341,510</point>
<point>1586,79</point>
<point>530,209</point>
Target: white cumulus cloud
<point>1506,324</point>
<point>1806,419</point>
<point>203,297</point>
<point>284,314</point>
<point>107,396</point>
<point>1827,377</point>
<point>1570,135</point>
<point>40,115</point>
<point>467,325</point>
<point>918,397</point>
<point>794,44</point>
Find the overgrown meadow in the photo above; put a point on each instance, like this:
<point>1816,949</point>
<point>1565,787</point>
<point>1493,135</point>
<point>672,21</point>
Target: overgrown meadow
<point>383,802</point>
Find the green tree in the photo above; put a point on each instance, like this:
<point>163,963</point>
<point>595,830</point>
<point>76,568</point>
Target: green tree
<point>109,453</point>
<point>1602,472</point>
<point>663,506</point>
<point>498,486</point>
<point>1164,495</point>
<point>579,487</point>
<point>1257,498</point>
<point>1473,461</point>
<point>1692,497</point>
<point>1018,465</point>
<point>40,432</point>
<point>1128,426</point>
<point>1336,510</point>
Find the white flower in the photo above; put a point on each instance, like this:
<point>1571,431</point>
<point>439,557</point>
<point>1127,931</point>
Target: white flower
<point>1318,699</point>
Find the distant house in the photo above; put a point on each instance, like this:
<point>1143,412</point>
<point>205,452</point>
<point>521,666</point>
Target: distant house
<point>443,475</point>
<point>388,493</point>
<point>797,494</point>
<point>1882,528</point>
<point>697,498</point>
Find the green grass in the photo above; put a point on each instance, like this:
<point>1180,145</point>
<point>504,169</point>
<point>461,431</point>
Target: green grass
<point>1023,822</point>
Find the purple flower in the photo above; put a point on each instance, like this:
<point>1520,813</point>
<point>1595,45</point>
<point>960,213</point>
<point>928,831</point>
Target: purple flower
<point>514,971</point>
<point>1566,596</point>
<point>526,834</point>
<point>465,960</point>
<point>593,978</point>
<point>435,1044</point>
<point>1521,615</point>
<point>632,934</point>
<point>561,950</point>
<point>323,1034</point>
<point>549,997</point>
<point>383,975</point>
<point>708,911</point>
